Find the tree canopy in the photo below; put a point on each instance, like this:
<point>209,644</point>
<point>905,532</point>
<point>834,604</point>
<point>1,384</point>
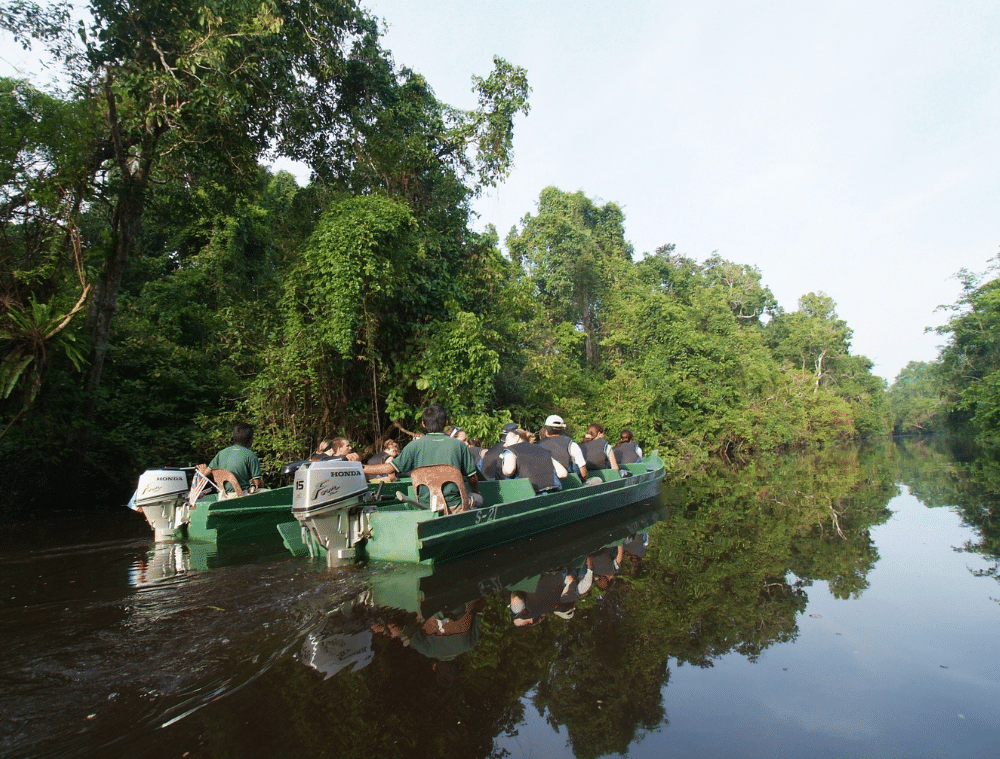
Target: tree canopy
<point>960,391</point>
<point>159,284</point>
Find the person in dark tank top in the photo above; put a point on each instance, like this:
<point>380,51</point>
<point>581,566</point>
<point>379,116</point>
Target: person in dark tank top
<point>554,439</point>
<point>522,460</point>
<point>489,462</point>
<point>627,451</point>
<point>597,452</point>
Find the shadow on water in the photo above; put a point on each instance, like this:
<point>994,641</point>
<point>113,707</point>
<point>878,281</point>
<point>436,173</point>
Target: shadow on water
<point>166,649</point>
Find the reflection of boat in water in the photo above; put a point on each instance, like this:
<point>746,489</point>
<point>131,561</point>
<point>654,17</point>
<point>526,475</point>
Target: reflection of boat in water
<point>431,590</point>
<point>166,561</point>
<point>344,639</point>
<point>436,610</point>
<point>340,512</point>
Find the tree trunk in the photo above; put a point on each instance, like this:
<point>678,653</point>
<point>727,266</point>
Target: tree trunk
<point>126,223</point>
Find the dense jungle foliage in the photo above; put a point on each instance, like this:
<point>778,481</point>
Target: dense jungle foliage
<point>959,393</point>
<point>158,284</point>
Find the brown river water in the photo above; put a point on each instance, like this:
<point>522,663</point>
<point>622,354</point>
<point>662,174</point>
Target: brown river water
<point>844,606</point>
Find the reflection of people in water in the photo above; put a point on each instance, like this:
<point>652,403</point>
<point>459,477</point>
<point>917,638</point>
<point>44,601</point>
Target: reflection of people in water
<point>635,548</point>
<point>442,637</point>
<point>578,583</point>
<point>605,565</point>
<point>528,609</point>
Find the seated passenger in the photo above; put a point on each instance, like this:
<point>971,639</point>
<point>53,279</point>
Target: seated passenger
<point>627,451</point>
<point>476,446</point>
<point>324,450</point>
<point>521,459</point>
<point>489,462</point>
<point>435,448</point>
<point>597,452</point>
<point>339,449</point>
<point>458,433</point>
<point>238,459</point>
<point>389,451</point>
<point>563,448</point>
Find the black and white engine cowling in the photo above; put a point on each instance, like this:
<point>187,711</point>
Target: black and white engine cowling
<point>328,499</point>
<point>162,496</point>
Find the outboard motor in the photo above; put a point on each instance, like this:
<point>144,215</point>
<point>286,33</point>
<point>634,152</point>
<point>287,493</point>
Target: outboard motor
<point>328,500</point>
<point>162,497</point>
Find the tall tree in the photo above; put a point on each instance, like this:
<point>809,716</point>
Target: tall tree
<point>969,364</point>
<point>915,398</point>
<point>811,337</point>
<point>188,87</point>
<point>572,249</point>
<point>44,183</point>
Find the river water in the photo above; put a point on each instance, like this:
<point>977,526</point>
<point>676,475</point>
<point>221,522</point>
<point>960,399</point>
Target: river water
<point>842,604</point>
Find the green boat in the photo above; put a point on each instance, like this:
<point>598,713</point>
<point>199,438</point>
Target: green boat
<point>344,518</point>
<point>163,497</point>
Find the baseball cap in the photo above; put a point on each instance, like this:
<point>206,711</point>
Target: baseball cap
<point>554,421</point>
<point>509,427</point>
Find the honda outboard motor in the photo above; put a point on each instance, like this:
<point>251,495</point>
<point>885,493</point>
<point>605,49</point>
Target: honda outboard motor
<point>162,497</point>
<point>328,501</point>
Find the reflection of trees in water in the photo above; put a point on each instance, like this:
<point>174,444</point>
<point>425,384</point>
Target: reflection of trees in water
<point>727,572</point>
<point>602,684</point>
<point>951,472</point>
<point>715,580</point>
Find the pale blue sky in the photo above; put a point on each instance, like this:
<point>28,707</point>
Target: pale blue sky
<point>849,147</point>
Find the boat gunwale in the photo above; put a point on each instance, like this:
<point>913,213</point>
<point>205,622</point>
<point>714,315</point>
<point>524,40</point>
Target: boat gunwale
<point>446,523</point>
<point>444,537</point>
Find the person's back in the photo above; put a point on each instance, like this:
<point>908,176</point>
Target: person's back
<point>389,451</point>
<point>534,464</point>
<point>558,448</point>
<point>489,465</point>
<point>595,453</point>
<point>627,453</point>
<point>554,439</point>
<point>435,448</point>
<point>239,459</point>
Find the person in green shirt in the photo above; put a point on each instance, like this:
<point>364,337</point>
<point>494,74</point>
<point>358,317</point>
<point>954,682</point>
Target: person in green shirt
<point>435,448</point>
<point>239,459</point>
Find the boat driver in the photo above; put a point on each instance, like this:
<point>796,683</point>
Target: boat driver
<point>435,448</point>
<point>238,459</point>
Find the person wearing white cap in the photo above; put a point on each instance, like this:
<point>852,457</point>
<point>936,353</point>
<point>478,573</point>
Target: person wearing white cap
<point>562,446</point>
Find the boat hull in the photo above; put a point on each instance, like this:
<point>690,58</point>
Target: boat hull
<point>402,533</point>
<point>240,521</point>
<point>162,497</point>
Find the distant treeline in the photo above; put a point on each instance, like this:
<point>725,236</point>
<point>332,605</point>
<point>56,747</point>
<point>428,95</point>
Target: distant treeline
<point>158,284</point>
<point>959,393</point>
